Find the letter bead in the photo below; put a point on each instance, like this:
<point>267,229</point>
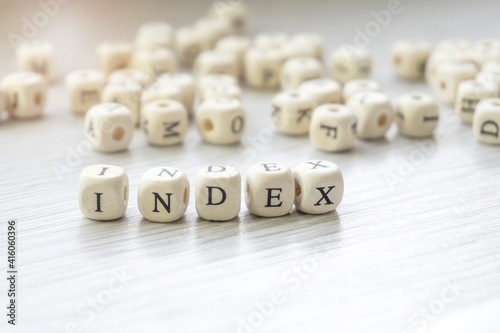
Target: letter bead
<point>215,62</point>
<point>449,76</point>
<point>183,81</point>
<point>487,121</point>
<point>214,29</point>
<point>333,128</point>
<point>315,40</point>
<point>163,194</point>
<point>374,113</point>
<point>469,94</point>
<point>127,93</point>
<point>158,91</point>
<point>263,67</point>
<point>37,56</point>
<point>109,127</point>
<point>269,189</point>
<point>349,63</point>
<point>221,120</point>
<point>103,192</point>
<point>190,42</point>
<point>25,94</point>
<point>291,112</point>
<point>319,187</point>
<point>155,62</point>
<point>298,70</point>
<point>353,87</point>
<point>130,74</point>
<point>417,115</point>
<point>114,56</point>
<point>218,193</point>
<point>237,46</point>
<point>85,89</point>
<point>155,34</point>
<point>164,122</point>
<point>409,58</point>
<point>324,90</point>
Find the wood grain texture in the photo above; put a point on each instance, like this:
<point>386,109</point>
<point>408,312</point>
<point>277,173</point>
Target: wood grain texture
<point>390,249</point>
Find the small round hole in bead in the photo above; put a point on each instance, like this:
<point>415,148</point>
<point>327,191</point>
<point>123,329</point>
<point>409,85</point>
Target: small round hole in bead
<point>208,125</point>
<point>163,105</point>
<point>443,85</point>
<point>298,189</point>
<point>38,98</point>
<point>125,193</point>
<point>294,95</point>
<point>496,103</point>
<point>382,120</point>
<point>397,60</point>
<point>417,97</point>
<point>185,197</point>
<point>333,109</point>
<point>118,133</point>
<point>248,190</point>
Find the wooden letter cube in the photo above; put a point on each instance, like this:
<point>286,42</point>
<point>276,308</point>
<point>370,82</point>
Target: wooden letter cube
<point>218,193</point>
<point>409,58</point>
<point>84,89</point>
<point>324,91</point>
<point>183,81</point>
<point>190,42</point>
<point>486,124</point>
<point>449,76</point>
<point>263,67</point>
<point>163,194</point>
<point>103,192</point>
<point>353,87</point>
<point>374,113</point>
<point>38,57</point>
<point>269,189</point>
<point>237,46</point>
<point>127,93</point>
<point>114,56</point>
<point>165,122</point>
<point>25,94</point>
<point>154,35</point>
<point>109,127</point>
<point>469,94</point>
<point>417,115</point>
<point>155,62</point>
<point>319,187</point>
<point>221,120</point>
<point>215,62</point>
<point>291,112</point>
<point>350,63</point>
<point>298,70</point>
<point>160,91</point>
<point>333,128</point>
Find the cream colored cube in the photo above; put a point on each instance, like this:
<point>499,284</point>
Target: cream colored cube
<point>349,63</point>
<point>155,34</point>
<point>221,121</point>
<point>298,70</point>
<point>440,57</point>
<point>269,189</point>
<point>409,58</point>
<point>214,29</point>
<point>233,12</point>
<point>190,42</point>
<point>448,77</point>
<point>486,123</point>
<point>163,194</point>
<point>164,122</point>
<point>263,67</point>
<point>125,93</point>
<point>113,56</point>
<point>155,62</point>
<point>215,62</point>
<point>25,94</point>
<point>130,74</point>
<point>319,186</point>
<point>469,94</point>
<point>324,90</point>
<point>374,113</point>
<point>297,49</point>
<point>37,56</point>
<point>218,193</point>
<point>84,89</point>
<point>353,87</point>
<point>103,192</point>
<point>210,80</point>
<point>109,127</point>
<point>315,40</point>
<point>160,91</point>
<point>237,46</point>
<point>417,115</point>
<point>271,40</point>
<point>333,128</point>
<point>221,91</point>
<point>185,82</point>
<point>291,112</point>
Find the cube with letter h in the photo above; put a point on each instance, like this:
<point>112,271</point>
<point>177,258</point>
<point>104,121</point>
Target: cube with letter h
<point>163,194</point>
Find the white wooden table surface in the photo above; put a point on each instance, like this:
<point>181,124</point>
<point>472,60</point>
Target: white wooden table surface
<point>416,237</point>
